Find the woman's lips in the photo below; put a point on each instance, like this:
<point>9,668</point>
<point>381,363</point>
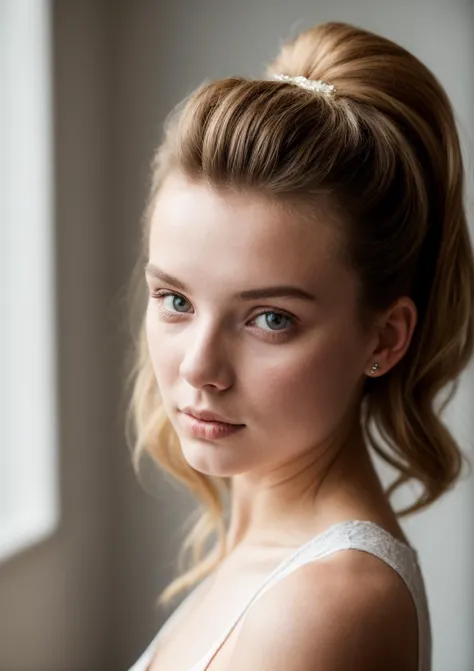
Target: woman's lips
<point>208,430</point>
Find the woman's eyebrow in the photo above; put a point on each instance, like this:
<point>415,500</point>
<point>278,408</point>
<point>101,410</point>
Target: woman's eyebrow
<point>282,291</point>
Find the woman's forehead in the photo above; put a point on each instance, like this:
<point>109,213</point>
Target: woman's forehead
<point>201,221</point>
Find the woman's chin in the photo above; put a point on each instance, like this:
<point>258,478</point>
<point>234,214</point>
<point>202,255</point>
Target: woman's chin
<point>211,459</point>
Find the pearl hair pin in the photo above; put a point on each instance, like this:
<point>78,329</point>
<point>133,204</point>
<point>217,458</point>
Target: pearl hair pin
<point>309,84</point>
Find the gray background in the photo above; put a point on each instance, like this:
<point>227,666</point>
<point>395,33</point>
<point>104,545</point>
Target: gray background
<point>83,600</point>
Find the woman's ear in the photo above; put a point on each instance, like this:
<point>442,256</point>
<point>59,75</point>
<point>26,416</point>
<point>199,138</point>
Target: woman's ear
<point>394,331</point>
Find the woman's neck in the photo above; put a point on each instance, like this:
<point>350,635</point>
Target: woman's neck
<point>303,497</point>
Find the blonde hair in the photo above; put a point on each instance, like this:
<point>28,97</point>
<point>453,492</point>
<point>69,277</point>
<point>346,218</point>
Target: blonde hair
<point>386,152</point>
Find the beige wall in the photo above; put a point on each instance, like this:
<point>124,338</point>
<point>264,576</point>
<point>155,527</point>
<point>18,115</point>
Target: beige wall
<point>54,597</point>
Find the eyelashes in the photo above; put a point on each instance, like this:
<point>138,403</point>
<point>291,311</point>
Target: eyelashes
<point>160,296</point>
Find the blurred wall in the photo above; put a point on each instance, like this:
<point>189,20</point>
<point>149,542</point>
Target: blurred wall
<point>84,599</point>
<point>54,598</point>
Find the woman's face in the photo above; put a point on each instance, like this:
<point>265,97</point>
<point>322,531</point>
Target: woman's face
<point>285,366</point>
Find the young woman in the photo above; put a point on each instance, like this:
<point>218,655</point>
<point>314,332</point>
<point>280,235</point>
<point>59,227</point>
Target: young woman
<point>310,292</point>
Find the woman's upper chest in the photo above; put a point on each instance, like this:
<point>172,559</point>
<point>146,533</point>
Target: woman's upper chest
<point>209,615</point>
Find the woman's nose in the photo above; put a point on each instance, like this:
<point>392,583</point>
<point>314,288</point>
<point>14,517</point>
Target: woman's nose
<point>206,362</point>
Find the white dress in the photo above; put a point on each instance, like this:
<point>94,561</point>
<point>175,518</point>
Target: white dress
<point>355,534</point>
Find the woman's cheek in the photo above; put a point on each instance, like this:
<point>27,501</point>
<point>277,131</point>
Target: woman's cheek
<point>319,383</point>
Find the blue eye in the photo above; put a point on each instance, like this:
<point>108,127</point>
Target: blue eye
<point>175,301</point>
<point>279,320</point>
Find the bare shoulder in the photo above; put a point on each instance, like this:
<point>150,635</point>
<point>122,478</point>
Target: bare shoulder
<point>348,612</point>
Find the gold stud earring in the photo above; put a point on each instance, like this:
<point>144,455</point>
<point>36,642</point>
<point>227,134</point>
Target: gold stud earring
<point>374,368</point>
